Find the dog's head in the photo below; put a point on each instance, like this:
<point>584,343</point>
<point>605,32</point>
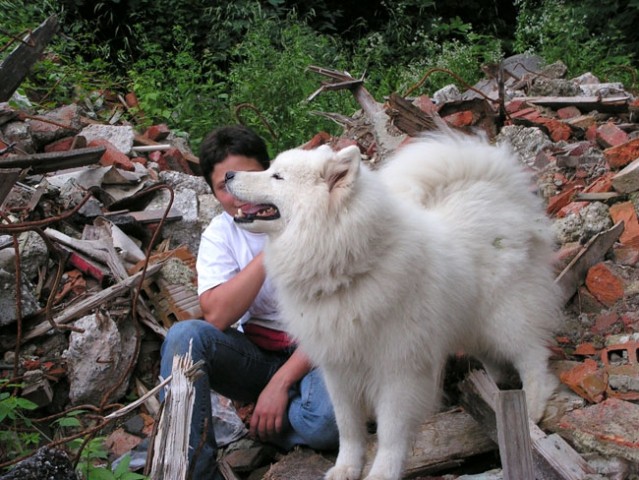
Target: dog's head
<point>298,183</point>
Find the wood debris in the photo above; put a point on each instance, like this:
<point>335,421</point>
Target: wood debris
<point>99,223</point>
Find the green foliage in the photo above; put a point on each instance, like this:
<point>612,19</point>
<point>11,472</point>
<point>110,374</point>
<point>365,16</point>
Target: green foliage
<point>176,89</point>
<point>15,441</point>
<point>463,58</point>
<point>557,30</point>
<point>271,75</point>
<point>93,465</point>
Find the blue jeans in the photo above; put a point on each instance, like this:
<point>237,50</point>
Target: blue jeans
<point>238,369</point>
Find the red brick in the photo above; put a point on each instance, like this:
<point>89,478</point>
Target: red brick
<point>585,349</point>
<point>320,138</point>
<point>157,132</point>
<point>604,322</point>
<point>460,119</point>
<point>572,207</point>
<point>587,380</point>
<point>568,112</point>
<point>621,155</point>
<point>625,211</point>
<point>591,134</point>
<point>173,159</point>
<point>66,144</point>
<point>604,285</point>
<point>610,135</point>
<point>425,104</point>
<point>602,184</point>
<point>557,130</point>
<point>560,200</point>
<point>131,100</point>
<point>112,156</point>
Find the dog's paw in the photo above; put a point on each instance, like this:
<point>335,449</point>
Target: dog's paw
<point>343,472</point>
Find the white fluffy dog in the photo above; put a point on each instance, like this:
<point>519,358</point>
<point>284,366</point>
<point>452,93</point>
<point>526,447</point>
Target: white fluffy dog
<point>383,274</point>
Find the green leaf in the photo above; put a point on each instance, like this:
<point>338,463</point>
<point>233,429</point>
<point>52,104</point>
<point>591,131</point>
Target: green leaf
<point>26,404</point>
<point>68,422</point>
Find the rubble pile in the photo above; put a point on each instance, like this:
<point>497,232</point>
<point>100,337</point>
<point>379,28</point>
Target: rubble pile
<point>100,225</point>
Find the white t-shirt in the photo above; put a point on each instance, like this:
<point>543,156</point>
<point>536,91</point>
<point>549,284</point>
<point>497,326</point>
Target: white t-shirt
<point>225,249</point>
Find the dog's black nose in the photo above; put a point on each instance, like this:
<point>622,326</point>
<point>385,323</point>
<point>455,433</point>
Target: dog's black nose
<point>229,176</point>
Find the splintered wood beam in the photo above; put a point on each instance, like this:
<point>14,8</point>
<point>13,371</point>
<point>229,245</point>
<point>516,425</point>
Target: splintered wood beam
<point>52,161</point>
<point>408,118</point>
<point>16,66</point>
<point>553,457</point>
<point>78,309</point>
<point>343,80</point>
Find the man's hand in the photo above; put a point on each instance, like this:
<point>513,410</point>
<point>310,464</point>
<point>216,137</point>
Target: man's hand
<point>271,406</point>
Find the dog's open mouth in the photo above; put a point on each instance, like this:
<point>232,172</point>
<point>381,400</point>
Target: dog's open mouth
<point>250,213</point>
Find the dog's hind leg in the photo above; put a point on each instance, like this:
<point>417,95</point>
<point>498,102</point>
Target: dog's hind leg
<point>351,423</point>
<point>538,381</point>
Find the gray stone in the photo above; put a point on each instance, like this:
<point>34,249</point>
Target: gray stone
<point>589,221</point>
<point>29,303</point>
<point>97,358</point>
<point>120,136</point>
<point>526,142</point>
<point>449,93</point>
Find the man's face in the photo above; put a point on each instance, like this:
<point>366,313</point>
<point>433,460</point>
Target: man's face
<point>235,163</point>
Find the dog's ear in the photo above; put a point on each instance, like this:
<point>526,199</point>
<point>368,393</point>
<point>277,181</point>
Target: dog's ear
<point>341,170</point>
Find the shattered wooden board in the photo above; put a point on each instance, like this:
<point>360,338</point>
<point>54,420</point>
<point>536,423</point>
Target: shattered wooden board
<point>301,464</point>
<point>444,439</point>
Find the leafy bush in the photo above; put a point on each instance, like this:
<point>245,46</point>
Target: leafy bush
<point>271,75</point>
<point>557,30</point>
<point>176,89</point>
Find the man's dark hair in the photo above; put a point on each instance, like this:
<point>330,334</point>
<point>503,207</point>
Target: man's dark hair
<point>231,140</point>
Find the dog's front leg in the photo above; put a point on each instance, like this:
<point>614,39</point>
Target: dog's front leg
<point>400,406</point>
<point>351,423</point>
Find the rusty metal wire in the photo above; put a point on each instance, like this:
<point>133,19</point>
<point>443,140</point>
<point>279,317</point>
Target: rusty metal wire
<point>250,106</point>
<point>134,302</point>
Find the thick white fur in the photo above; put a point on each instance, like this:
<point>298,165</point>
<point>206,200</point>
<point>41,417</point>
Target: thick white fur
<point>383,274</point>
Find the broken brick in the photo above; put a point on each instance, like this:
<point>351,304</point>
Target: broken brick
<point>610,135</point>
<point>604,322</point>
<point>625,211</point>
<point>601,185</point>
<point>157,132</point>
<point>621,155</point>
<point>586,380</point>
<point>557,202</point>
<point>460,119</point>
<point>604,284</point>
<point>568,112</point>
<point>112,156</point>
<point>572,207</point>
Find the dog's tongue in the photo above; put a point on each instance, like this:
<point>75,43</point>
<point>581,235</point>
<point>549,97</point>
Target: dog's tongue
<point>250,208</point>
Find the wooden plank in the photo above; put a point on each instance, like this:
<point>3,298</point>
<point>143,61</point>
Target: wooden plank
<point>513,436</point>
<point>16,66</point>
<point>53,161</point>
<point>443,441</point>
<point>76,310</point>
<point>575,272</point>
<point>561,462</point>
<point>584,103</point>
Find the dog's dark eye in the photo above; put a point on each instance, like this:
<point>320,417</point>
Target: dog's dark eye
<point>277,176</point>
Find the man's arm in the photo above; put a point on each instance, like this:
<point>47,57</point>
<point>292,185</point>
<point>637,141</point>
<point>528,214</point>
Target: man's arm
<point>223,305</point>
<point>271,405</point>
